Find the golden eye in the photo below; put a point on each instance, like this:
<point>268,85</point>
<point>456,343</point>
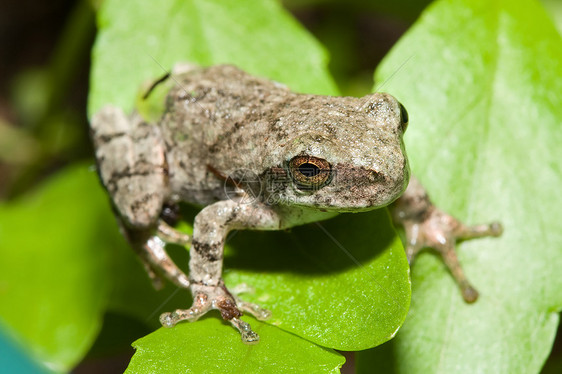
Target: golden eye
<point>310,173</point>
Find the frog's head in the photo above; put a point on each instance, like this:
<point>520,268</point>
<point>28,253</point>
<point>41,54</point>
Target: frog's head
<point>347,158</point>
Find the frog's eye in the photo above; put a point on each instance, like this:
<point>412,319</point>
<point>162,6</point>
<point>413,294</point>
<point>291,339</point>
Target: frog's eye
<point>403,117</point>
<point>310,173</point>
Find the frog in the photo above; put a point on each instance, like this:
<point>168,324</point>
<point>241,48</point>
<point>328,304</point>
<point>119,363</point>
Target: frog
<point>254,155</point>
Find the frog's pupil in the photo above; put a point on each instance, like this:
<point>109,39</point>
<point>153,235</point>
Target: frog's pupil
<point>309,170</point>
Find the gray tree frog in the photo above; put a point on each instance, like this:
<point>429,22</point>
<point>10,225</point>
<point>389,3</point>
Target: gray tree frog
<point>257,156</point>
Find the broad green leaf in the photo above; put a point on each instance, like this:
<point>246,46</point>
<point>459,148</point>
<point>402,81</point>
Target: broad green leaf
<point>342,284</point>
<point>53,279</point>
<point>482,82</point>
<point>173,351</point>
<point>140,41</point>
<point>554,8</point>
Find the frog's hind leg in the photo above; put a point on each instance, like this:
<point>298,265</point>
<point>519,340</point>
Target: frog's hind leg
<point>427,226</point>
<point>150,247</point>
<point>132,165</point>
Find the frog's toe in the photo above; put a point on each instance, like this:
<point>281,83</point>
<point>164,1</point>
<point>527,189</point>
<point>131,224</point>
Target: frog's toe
<point>170,319</point>
<point>464,232</point>
<point>255,310</point>
<point>469,293</point>
<point>496,229</point>
<point>242,288</point>
<point>247,335</point>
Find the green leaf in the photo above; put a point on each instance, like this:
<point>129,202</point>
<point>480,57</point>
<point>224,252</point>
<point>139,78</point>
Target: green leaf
<point>173,351</point>
<point>53,281</point>
<point>342,283</point>
<point>139,42</point>
<point>554,8</point>
<point>482,82</point>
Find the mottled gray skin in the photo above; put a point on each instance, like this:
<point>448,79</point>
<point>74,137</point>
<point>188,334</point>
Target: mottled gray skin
<point>235,144</point>
<point>233,121</point>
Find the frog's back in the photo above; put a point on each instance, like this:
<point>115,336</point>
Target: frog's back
<point>218,121</point>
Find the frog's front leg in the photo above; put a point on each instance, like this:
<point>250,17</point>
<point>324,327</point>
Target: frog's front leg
<point>426,225</point>
<point>210,228</point>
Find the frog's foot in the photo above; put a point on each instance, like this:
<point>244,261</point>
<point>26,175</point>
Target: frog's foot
<point>427,226</point>
<point>440,231</point>
<point>217,297</point>
<point>257,311</point>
